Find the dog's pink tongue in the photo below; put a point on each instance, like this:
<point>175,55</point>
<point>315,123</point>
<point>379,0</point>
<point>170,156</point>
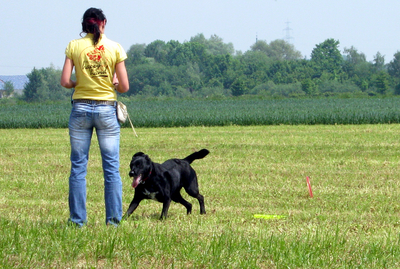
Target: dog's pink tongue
<point>136,181</point>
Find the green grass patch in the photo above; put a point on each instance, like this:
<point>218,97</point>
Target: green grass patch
<point>225,112</point>
<point>352,221</point>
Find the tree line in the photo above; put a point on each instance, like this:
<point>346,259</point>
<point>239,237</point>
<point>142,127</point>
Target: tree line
<point>208,67</point>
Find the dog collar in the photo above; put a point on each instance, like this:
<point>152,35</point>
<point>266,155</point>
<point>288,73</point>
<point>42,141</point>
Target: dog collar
<point>147,177</point>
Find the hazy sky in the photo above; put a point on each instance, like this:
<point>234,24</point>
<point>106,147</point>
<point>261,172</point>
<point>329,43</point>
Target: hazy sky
<point>35,33</point>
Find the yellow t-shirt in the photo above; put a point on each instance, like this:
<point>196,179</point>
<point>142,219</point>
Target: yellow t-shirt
<point>95,67</point>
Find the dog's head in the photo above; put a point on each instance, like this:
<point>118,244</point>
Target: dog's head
<point>140,168</point>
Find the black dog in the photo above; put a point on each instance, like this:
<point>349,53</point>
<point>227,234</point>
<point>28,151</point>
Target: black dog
<point>163,182</point>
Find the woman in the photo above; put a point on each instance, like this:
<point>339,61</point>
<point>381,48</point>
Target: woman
<point>100,70</point>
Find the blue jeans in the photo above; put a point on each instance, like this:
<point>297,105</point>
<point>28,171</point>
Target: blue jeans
<point>83,119</point>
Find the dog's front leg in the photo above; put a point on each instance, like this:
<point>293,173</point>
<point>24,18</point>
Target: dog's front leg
<point>165,208</point>
<point>132,207</point>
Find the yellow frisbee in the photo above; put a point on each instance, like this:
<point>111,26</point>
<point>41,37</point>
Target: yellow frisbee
<point>260,216</point>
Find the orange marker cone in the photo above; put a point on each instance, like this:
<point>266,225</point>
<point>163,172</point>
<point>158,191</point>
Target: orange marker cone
<point>309,187</point>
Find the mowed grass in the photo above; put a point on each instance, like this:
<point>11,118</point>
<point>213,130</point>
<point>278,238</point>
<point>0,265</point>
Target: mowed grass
<point>353,220</point>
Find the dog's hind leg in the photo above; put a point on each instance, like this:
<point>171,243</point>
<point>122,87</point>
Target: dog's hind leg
<point>194,192</point>
<point>200,198</point>
<point>179,199</point>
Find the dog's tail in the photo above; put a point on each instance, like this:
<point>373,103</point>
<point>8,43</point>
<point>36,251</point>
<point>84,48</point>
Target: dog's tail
<point>197,155</point>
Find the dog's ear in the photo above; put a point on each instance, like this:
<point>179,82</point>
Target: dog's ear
<point>147,158</point>
<point>137,154</point>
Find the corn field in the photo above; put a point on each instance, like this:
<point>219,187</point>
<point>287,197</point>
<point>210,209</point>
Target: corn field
<point>181,113</point>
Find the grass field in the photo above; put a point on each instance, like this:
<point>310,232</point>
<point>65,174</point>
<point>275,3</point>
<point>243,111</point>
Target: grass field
<point>353,220</point>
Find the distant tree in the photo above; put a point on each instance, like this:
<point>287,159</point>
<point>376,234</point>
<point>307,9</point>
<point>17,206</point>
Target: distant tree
<point>153,76</point>
<point>326,57</point>
<point>356,67</point>
<point>36,89</point>
<point>194,76</point>
<point>277,50</point>
<point>8,89</point>
<point>397,89</point>
<point>308,86</point>
<point>394,66</point>
<point>189,52</point>
<point>353,61</point>
<point>214,45</point>
<point>260,45</point>
<point>353,56</point>
<point>199,38</point>
<point>288,90</point>
<point>334,87</point>
<point>255,65</point>
<point>238,87</point>
<point>136,55</point>
<point>281,50</point>
<point>216,68</point>
<point>55,91</point>
<point>157,50</point>
<point>288,72</point>
<point>172,45</point>
<point>382,82</point>
<point>379,61</point>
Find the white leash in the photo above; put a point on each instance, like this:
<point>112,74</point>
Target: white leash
<point>133,129</point>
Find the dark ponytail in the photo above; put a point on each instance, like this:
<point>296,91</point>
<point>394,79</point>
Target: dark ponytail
<point>91,21</point>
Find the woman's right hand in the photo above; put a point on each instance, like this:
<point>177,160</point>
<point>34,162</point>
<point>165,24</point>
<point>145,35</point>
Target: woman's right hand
<point>66,81</point>
<point>115,80</point>
<point>121,77</point>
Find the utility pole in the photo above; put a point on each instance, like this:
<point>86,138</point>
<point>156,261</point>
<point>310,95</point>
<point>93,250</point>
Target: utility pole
<point>288,37</point>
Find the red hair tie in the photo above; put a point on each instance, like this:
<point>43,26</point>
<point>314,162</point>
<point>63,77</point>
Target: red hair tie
<point>93,21</point>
